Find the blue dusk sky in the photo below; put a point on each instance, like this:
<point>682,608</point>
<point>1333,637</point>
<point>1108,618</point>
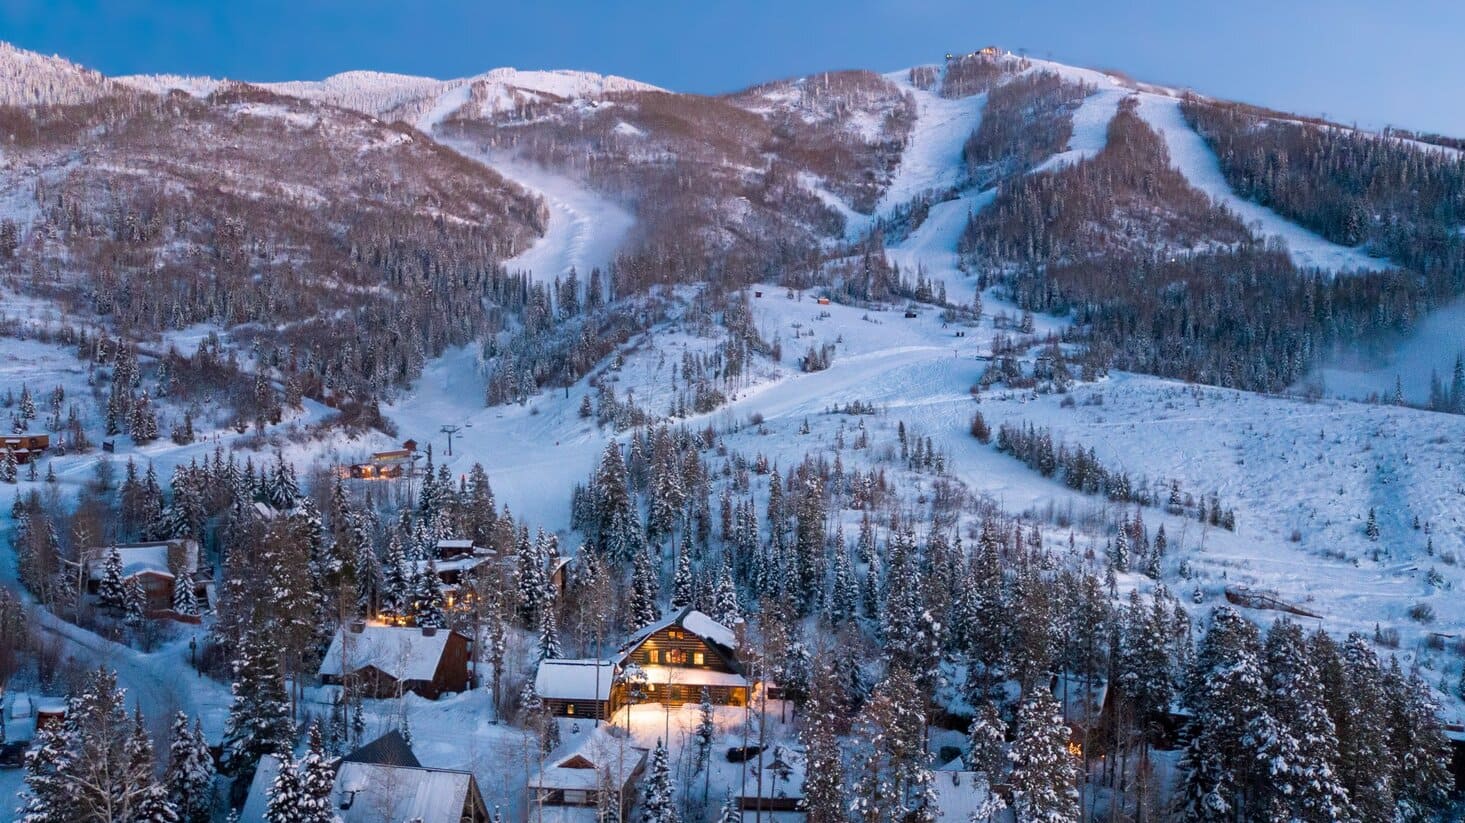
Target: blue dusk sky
<point>1369,62</point>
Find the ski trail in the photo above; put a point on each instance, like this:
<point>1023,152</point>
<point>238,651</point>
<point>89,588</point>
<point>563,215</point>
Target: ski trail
<point>585,229</point>
<point>1190,153</point>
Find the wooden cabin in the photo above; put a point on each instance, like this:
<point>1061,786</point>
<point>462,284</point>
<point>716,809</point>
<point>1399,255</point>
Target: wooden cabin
<point>685,653</point>
<point>568,787</point>
<point>384,661</point>
<point>382,782</point>
<point>26,447</point>
<point>579,687</point>
<point>155,565</point>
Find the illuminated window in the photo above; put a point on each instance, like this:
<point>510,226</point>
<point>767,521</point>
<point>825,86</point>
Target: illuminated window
<point>699,659</point>
<point>570,709</point>
<point>676,657</point>
<point>654,656</point>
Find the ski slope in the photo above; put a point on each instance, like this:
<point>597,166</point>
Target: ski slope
<point>1190,154</point>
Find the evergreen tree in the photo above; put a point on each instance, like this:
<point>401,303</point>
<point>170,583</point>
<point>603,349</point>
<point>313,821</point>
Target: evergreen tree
<point>824,774</point>
<point>286,801</point>
<point>549,635</point>
<point>111,591</point>
<point>658,804</point>
<point>644,593</point>
<point>190,774</point>
<point>93,766</point>
<point>682,582</point>
<point>1044,780</point>
<point>259,717</point>
<point>185,598</point>
<point>986,744</point>
<point>317,778</point>
<point>725,609</point>
<point>430,608</point>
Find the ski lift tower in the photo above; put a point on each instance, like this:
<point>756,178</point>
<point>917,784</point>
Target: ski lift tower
<point>450,430</point>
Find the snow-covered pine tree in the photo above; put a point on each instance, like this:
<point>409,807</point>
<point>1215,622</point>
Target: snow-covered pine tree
<point>259,717</point>
<point>532,579</point>
<point>1044,780</point>
<point>658,804</point>
<point>135,601</point>
<point>286,797</point>
<point>317,778</point>
<point>185,598</point>
<point>1305,784</point>
<point>396,580</point>
<point>725,609</point>
<point>111,592</point>
<point>549,635</point>
<point>683,582</point>
<point>430,608</point>
<point>824,774</point>
<point>190,774</point>
<point>645,587</point>
<point>91,765</point>
<point>987,744</point>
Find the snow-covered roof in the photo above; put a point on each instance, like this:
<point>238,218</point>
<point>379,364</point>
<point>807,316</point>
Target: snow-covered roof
<point>138,558</point>
<point>372,792</point>
<point>457,564</point>
<point>693,621</point>
<point>259,790</point>
<point>689,676</point>
<point>401,652</point>
<point>959,794</point>
<point>580,760</point>
<point>574,679</point>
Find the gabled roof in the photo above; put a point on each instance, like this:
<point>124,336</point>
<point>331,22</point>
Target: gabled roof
<point>580,760</point>
<point>693,621</point>
<point>141,558</point>
<point>718,637</point>
<point>390,749</point>
<point>574,679</point>
<point>372,792</point>
<point>400,652</point>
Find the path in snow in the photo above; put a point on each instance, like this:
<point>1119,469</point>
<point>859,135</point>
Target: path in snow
<point>1193,157</point>
<point>932,156</point>
<point>1090,127</point>
<point>585,229</point>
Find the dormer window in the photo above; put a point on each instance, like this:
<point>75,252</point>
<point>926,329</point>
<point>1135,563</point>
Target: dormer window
<point>348,797</point>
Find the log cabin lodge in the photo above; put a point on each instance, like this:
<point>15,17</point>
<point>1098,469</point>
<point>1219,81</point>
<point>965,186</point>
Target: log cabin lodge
<point>680,656</point>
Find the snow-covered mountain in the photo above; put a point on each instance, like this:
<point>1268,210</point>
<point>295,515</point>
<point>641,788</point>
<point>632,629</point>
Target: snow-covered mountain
<point>1170,317</point>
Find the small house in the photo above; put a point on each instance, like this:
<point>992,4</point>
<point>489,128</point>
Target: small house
<point>578,687</point>
<point>823,301</point>
<point>382,781</point>
<point>155,565</point>
<point>25,447</point>
<point>48,710</point>
<point>593,768</point>
<point>385,661</point>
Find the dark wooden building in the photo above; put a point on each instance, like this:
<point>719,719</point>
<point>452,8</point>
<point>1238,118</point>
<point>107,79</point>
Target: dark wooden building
<point>384,661</point>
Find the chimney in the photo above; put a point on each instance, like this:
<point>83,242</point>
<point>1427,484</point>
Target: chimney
<point>358,626</point>
<point>429,631</point>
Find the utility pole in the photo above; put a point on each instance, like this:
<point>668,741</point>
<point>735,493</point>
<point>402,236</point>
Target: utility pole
<point>450,431</point>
